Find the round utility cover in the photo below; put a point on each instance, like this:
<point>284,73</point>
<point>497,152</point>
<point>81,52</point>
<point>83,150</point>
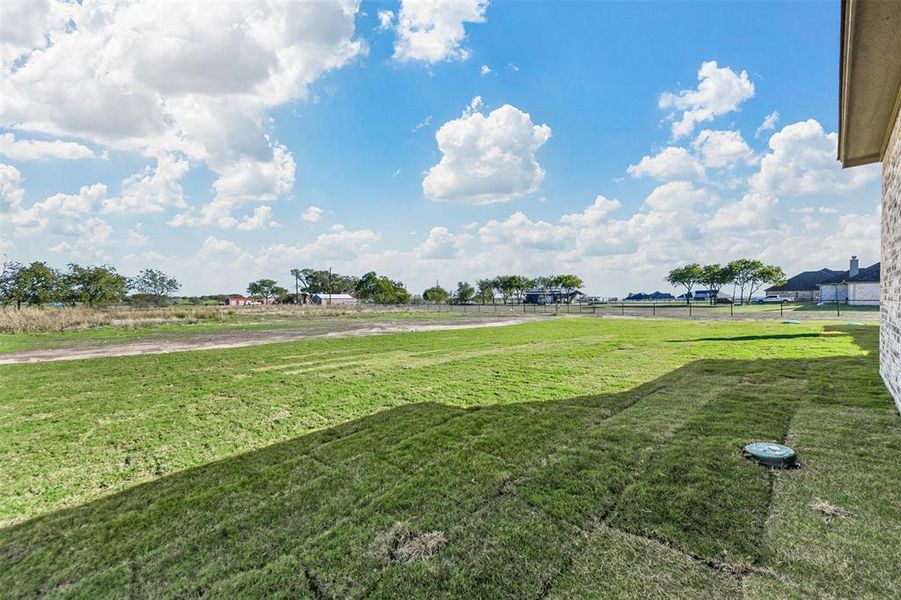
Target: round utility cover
<point>771,455</point>
<point>791,322</point>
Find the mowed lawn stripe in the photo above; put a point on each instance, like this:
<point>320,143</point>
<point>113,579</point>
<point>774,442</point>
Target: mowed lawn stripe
<point>697,490</point>
<point>587,473</point>
<point>835,523</point>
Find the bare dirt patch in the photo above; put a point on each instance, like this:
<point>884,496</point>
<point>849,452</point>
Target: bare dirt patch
<point>175,342</point>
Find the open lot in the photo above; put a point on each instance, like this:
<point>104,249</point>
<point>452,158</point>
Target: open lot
<point>102,342</point>
<point>78,327</point>
<point>573,457</point>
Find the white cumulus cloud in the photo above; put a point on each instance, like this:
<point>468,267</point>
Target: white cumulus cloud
<point>136,237</point>
<point>670,163</point>
<point>260,219</point>
<point>487,158</point>
<point>721,149</point>
<point>769,123</point>
<point>311,214</point>
<point>802,161</point>
<point>386,19</point>
<point>16,149</point>
<point>432,31</point>
<point>186,78</point>
<point>244,181</point>
<point>753,211</point>
<point>720,91</point>
<point>594,214</point>
<point>152,190</point>
<point>441,243</point>
<point>519,230</point>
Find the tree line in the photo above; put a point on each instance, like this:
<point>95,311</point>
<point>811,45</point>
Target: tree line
<point>508,287</point>
<point>369,287</point>
<point>38,284</point>
<point>744,274</point>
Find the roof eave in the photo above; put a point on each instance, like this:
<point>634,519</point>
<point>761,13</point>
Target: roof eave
<point>869,79</point>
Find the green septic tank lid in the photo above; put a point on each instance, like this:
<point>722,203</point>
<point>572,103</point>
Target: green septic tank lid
<point>772,455</point>
<point>791,322</point>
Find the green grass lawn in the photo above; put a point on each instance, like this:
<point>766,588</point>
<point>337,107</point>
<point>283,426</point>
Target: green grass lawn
<point>827,309</point>
<point>562,458</point>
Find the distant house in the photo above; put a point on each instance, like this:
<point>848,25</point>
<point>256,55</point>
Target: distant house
<point>804,286</point>
<point>238,301</point>
<point>652,297</point>
<point>324,299</point>
<point>550,296</point>
<point>854,286</point>
<point>661,297</point>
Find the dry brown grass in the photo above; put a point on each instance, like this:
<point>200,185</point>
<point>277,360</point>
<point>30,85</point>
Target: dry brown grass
<point>828,510</point>
<point>57,320</point>
<point>401,545</point>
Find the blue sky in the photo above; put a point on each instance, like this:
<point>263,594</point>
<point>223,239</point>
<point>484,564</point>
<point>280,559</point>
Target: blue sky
<point>449,140</point>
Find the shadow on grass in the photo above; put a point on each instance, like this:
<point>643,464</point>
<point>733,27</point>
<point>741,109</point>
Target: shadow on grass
<point>512,489</point>
<point>749,338</point>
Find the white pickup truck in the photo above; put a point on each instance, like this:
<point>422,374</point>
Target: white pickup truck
<point>772,300</point>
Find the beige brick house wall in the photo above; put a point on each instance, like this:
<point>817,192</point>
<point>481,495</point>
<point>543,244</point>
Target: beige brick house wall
<point>890,333</point>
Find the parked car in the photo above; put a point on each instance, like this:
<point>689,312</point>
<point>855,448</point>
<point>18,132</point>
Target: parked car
<point>723,300</point>
<point>772,300</point>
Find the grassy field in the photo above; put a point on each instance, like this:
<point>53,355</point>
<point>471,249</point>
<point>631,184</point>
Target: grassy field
<point>563,458</point>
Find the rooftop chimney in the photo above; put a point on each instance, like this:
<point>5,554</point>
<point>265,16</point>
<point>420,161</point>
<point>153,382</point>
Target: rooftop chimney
<point>855,268</point>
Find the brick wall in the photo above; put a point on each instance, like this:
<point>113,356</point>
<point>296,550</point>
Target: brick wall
<point>890,333</point>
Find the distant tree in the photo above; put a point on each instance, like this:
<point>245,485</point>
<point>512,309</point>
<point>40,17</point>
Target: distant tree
<point>9,291</point>
<point>507,286</point>
<point>435,294</point>
<point>95,285</point>
<point>567,283</point>
<point>372,287</point>
<point>687,277</point>
<point>155,285</point>
<point>280,293</point>
<point>486,290</point>
<point>298,276</point>
<point>367,286</point>
<point>391,292</point>
<point>521,284</point>
<point>263,288</point>
<point>35,284</point>
<point>714,277</point>
<point>317,281</point>
<point>765,274</point>
<point>545,282</point>
<point>465,293</point>
<point>744,271</point>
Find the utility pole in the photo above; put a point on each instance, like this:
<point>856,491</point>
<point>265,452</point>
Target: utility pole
<point>329,285</point>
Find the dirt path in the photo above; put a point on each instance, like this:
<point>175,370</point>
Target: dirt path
<point>237,339</point>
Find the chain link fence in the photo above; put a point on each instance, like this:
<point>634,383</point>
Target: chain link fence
<point>675,310</point>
